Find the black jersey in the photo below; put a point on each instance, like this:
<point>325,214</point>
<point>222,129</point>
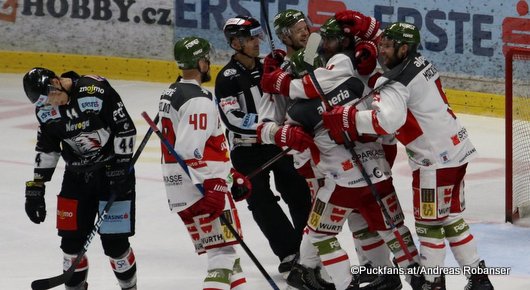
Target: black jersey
<point>238,93</point>
<point>92,129</point>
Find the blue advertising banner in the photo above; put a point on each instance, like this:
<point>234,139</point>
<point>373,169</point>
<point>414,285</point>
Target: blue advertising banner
<point>462,37</point>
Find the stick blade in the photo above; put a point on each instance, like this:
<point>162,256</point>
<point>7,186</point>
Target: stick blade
<point>48,283</point>
<point>311,49</point>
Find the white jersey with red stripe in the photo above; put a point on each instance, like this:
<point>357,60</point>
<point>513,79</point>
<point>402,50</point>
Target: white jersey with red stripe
<point>190,122</point>
<point>415,108</point>
<point>341,86</point>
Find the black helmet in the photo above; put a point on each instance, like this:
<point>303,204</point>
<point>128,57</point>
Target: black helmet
<point>242,26</point>
<point>36,82</point>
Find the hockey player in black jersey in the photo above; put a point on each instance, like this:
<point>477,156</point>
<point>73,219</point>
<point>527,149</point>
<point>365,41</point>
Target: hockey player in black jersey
<point>238,92</point>
<point>83,119</point>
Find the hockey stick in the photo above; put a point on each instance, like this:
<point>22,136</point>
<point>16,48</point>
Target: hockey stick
<point>268,163</point>
<point>48,283</point>
<point>309,53</point>
<point>264,10</point>
<point>201,190</point>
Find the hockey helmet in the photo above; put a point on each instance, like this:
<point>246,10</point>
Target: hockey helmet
<point>298,65</point>
<point>37,83</point>
<point>189,50</point>
<point>284,20</point>
<point>331,29</point>
<point>403,32</point>
<point>242,26</point>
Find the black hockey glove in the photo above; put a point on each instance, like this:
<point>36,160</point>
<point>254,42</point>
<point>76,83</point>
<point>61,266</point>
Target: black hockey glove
<point>35,204</point>
<point>118,177</point>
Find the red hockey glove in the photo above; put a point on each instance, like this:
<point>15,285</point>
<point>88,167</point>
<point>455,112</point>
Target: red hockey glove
<point>339,120</point>
<point>271,63</point>
<point>357,24</point>
<point>35,205</point>
<point>365,57</point>
<point>294,137</point>
<point>213,202</point>
<point>276,82</point>
<point>241,186</point>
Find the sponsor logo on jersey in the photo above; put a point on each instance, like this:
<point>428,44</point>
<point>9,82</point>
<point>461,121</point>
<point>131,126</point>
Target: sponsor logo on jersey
<point>61,214</point>
<point>468,153</point>
<point>419,61</point>
<point>197,153</point>
<point>92,89</point>
<point>168,92</point>
<point>116,217</point>
<point>430,73</point>
<point>90,103</point>
<point>176,179</point>
<point>460,136</point>
<point>229,72</point>
<point>444,157</point>
<point>77,126</point>
<point>228,102</point>
<point>118,113</point>
<point>48,113</point>
<point>340,97</point>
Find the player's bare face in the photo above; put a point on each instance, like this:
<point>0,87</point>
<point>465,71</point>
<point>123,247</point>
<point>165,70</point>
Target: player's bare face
<point>299,35</point>
<point>251,46</point>
<point>57,96</point>
<point>388,53</point>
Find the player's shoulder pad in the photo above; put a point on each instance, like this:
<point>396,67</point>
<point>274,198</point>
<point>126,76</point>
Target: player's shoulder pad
<point>90,91</point>
<point>180,93</point>
<point>411,69</point>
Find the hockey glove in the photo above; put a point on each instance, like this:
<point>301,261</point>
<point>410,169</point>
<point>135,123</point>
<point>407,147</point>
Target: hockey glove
<point>365,57</point>
<point>273,60</point>
<point>276,82</point>
<point>339,120</point>
<point>354,23</point>
<point>293,137</point>
<point>213,202</point>
<point>35,205</point>
<point>118,177</point>
<point>241,186</point>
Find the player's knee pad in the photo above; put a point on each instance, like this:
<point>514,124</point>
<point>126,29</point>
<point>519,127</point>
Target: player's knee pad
<point>115,247</point>
<point>124,268</point>
<point>77,282</point>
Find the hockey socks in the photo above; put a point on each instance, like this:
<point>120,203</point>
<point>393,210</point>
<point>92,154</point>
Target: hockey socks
<point>334,259</point>
<point>78,280</point>
<point>124,268</point>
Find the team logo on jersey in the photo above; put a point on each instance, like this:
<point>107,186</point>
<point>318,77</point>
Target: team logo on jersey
<point>87,144</point>
<point>92,89</point>
<point>229,72</point>
<point>90,103</point>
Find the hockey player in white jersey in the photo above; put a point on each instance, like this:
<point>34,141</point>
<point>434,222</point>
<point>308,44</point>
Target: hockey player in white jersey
<point>191,123</point>
<point>414,106</point>
<point>345,190</point>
